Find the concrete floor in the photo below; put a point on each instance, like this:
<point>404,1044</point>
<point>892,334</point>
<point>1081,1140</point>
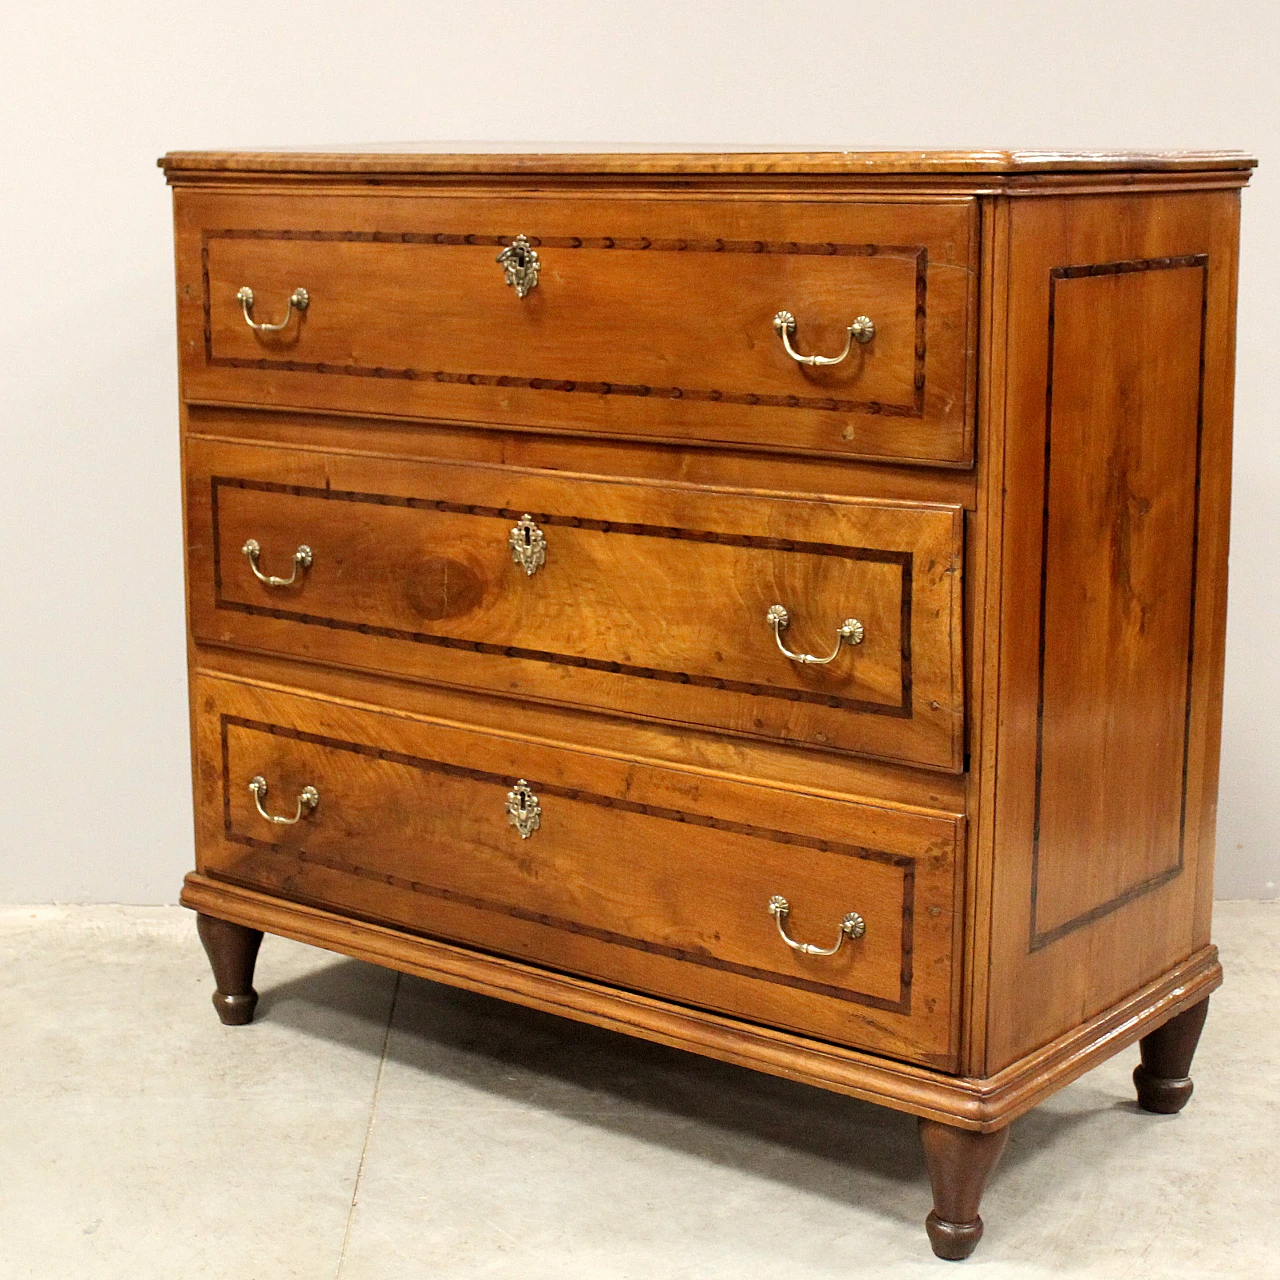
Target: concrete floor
<point>371,1127</point>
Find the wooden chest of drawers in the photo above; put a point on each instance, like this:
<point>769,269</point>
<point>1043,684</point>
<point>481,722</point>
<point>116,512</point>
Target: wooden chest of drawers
<point>767,603</point>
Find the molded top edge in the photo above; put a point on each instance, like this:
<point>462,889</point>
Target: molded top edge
<point>595,158</point>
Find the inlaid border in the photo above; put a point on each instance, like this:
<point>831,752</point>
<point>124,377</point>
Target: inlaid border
<point>902,710</point>
<point>747,399</point>
<point>426,764</point>
<point>1198,261</point>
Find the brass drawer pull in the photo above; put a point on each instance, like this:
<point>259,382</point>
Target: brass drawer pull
<point>852,926</point>
<point>850,631</point>
<point>520,264</point>
<point>528,545</point>
<point>308,798</point>
<point>523,810</point>
<point>299,299</point>
<point>301,560</point>
<point>862,330</point>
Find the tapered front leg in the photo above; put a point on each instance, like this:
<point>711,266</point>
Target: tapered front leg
<point>232,950</point>
<point>959,1161</point>
<point>1163,1077</point>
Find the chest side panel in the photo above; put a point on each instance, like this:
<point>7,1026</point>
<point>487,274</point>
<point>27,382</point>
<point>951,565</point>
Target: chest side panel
<point>1113,573</point>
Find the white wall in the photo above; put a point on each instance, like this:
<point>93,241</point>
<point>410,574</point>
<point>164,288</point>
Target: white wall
<point>93,749</point>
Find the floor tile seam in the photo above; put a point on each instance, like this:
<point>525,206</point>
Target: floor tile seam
<point>368,1133</point>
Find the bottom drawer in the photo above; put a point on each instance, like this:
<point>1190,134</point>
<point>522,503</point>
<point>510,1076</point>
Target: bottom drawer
<point>646,877</point>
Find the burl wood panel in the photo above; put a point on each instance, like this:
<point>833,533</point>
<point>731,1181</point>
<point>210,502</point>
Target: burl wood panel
<point>646,590</point>
<point>651,318</point>
<point>652,878</point>
<point>1117,404</point>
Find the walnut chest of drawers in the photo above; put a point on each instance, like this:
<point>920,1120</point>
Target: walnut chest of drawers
<point>771,604</point>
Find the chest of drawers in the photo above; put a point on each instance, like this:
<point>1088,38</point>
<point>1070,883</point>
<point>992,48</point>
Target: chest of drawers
<point>771,604</point>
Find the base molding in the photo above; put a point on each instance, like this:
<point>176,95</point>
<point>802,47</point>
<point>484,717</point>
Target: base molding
<point>966,1102</point>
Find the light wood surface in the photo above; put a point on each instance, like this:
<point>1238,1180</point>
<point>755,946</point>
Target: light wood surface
<point>1040,429</point>
<point>412,573</point>
<point>686,746</point>
<point>1113,596</point>
<point>389,436</point>
<point>967,1102</point>
<point>647,877</point>
<point>516,158</point>
<point>651,318</point>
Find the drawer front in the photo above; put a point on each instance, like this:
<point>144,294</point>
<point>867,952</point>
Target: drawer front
<point>641,598</point>
<point>646,877</point>
<point>651,318</point>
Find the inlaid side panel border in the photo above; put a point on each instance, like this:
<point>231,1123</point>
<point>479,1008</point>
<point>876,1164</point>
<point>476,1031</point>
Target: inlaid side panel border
<point>1042,938</point>
<point>903,709</point>
<point>746,399</point>
<point>576,795</point>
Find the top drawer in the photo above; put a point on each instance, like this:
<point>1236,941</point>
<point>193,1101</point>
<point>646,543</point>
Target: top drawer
<point>651,318</point>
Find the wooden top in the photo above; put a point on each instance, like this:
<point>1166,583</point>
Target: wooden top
<point>584,158</point>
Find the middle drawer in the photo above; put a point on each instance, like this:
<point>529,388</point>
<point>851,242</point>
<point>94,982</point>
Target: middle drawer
<point>603,594</point>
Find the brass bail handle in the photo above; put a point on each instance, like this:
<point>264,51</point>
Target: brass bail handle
<point>302,559</point>
<point>850,631</point>
<point>308,798</point>
<point>299,300</point>
<point>852,926</point>
<point>862,330</point>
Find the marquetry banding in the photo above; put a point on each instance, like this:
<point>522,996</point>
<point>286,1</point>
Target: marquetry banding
<point>903,709</point>
<point>638,243</point>
<point>579,796</point>
<point>1200,261</point>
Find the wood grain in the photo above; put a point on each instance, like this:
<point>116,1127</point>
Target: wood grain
<point>650,318</point>
<point>1044,432</point>
<point>971,1103</point>
<point>1111,522</point>
<point>768,473</point>
<point>836,775</point>
<point>643,588</point>
<point>516,158</point>
<point>1120,508</point>
<point>637,875</point>
<point>983,570</point>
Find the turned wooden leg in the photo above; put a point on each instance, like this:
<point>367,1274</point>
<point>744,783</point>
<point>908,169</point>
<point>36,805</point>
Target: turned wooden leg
<point>1163,1077</point>
<point>232,950</point>
<point>959,1161</point>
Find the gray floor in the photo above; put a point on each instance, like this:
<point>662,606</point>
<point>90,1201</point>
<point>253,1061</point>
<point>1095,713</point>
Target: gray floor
<point>370,1127</point>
